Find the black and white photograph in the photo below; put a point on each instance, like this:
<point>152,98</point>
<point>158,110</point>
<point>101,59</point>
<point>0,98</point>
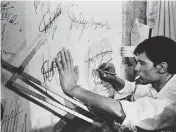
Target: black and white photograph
<point>88,66</point>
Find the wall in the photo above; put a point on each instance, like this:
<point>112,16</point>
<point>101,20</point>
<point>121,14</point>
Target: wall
<point>86,28</point>
<point>17,116</point>
<point>132,10</point>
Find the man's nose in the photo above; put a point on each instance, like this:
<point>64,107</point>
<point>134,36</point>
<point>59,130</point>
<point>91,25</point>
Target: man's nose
<point>137,67</point>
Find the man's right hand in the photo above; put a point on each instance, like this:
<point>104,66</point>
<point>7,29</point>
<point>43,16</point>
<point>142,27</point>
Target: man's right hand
<point>116,82</point>
<point>109,67</point>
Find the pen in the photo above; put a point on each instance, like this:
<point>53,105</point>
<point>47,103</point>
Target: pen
<point>108,61</point>
<point>112,73</point>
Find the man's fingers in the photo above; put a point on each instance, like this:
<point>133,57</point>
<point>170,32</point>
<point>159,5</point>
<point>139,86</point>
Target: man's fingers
<point>76,70</point>
<point>101,73</point>
<point>67,58</point>
<point>70,58</point>
<point>104,75</point>
<point>111,67</point>
<point>63,60</point>
<point>59,66</point>
<point>102,66</point>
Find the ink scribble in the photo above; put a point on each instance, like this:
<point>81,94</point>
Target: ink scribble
<point>103,51</point>
<point>45,23</point>
<point>7,17</point>
<point>7,13</point>
<point>38,4</point>
<point>80,22</point>
<point>14,118</point>
<point>3,31</point>
<point>93,60</point>
<point>48,69</point>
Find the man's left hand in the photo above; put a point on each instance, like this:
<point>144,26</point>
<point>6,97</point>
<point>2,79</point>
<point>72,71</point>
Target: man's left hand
<point>67,73</point>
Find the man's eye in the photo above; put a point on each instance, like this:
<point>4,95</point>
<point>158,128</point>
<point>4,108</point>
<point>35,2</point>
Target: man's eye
<point>141,63</point>
<point>135,61</point>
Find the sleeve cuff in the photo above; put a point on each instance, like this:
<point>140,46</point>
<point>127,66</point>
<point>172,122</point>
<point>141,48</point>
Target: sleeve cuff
<point>127,90</point>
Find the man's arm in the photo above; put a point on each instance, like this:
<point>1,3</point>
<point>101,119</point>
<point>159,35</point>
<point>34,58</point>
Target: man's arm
<point>118,83</point>
<point>106,105</point>
<point>123,88</point>
<point>149,114</point>
<point>68,81</point>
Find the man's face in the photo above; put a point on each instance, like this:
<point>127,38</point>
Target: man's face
<point>146,70</point>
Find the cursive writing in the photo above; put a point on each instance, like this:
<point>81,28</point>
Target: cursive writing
<point>80,22</point>
<point>48,70</point>
<point>45,24</point>
<point>38,4</point>
<point>7,17</point>
<point>11,121</point>
<point>94,59</point>
<point>99,83</point>
<point>6,13</point>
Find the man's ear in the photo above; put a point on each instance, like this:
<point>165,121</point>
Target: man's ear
<point>162,67</point>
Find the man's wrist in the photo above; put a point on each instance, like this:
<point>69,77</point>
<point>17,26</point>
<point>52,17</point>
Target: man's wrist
<point>75,90</point>
<point>118,83</point>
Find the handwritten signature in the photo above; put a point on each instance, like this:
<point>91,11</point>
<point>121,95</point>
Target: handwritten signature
<point>97,82</point>
<point>44,26</point>
<point>80,22</point>
<point>48,70</point>
<point>92,59</point>
<point>10,121</point>
<point>7,16</point>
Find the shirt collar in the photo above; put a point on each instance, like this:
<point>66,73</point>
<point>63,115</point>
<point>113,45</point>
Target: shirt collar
<point>169,90</point>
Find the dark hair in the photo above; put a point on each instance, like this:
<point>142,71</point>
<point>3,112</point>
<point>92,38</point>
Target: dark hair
<point>159,49</point>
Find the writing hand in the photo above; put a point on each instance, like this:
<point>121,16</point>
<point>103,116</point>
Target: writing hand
<point>103,72</point>
<point>68,75</point>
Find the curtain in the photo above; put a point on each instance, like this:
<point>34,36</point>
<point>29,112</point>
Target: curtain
<point>165,23</point>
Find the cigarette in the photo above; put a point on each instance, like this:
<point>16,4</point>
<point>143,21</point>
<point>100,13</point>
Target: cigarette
<point>136,77</point>
<point>112,73</point>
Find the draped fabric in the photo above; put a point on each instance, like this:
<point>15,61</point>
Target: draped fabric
<point>165,23</point>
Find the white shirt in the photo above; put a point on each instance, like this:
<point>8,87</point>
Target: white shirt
<point>150,110</point>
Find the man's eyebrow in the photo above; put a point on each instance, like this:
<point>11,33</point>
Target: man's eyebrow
<point>138,60</point>
<point>141,61</point>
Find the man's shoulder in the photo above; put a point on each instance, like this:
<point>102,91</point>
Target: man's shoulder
<point>172,81</point>
<point>144,91</point>
<point>169,90</point>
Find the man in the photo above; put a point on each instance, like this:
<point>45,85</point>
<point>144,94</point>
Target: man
<point>154,106</point>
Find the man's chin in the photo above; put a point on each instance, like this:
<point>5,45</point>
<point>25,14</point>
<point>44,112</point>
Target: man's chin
<point>141,81</point>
